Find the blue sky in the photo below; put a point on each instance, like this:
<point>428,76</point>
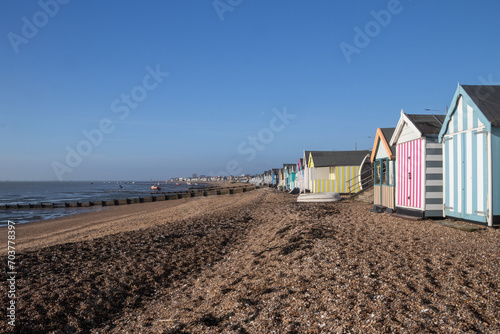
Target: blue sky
<point>171,88</point>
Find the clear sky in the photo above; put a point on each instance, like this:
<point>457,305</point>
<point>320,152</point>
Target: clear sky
<point>138,90</point>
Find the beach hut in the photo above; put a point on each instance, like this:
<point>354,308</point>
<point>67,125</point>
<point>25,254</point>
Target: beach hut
<point>289,171</point>
<point>307,172</point>
<point>471,142</point>
<point>275,177</point>
<point>331,171</point>
<point>419,165</point>
<point>300,175</point>
<point>267,177</point>
<point>281,183</point>
<point>383,160</point>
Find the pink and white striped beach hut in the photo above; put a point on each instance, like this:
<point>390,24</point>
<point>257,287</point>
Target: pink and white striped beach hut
<point>419,165</point>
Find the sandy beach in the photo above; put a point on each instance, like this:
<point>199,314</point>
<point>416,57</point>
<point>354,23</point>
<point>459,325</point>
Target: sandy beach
<point>255,262</point>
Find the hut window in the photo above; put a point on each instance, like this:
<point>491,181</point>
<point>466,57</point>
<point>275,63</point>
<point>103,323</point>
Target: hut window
<point>383,172</point>
<point>390,173</point>
<point>377,172</point>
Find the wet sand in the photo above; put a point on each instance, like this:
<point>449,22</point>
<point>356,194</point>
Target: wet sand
<point>257,262</point>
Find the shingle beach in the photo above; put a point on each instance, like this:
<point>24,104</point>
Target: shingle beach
<point>256,262</point>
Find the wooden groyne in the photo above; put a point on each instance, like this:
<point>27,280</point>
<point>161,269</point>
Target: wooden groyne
<point>136,200</point>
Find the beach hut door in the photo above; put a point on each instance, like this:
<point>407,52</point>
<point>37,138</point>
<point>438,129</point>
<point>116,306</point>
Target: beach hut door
<point>409,178</point>
<point>466,175</point>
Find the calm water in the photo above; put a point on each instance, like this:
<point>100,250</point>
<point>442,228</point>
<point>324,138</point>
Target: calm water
<point>60,192</point>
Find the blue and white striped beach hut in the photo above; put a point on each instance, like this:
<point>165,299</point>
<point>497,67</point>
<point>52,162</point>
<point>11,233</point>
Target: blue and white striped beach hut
<point>289,171</point>
<point>471,153</point>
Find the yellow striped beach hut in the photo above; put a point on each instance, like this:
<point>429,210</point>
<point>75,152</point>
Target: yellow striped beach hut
<point>331,171</point>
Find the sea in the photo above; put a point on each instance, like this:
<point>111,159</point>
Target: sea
<point>71,191</point>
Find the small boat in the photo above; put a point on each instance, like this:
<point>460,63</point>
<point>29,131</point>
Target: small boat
<point>319,197</point>
<point>177,184</point>
<point>155,188</point>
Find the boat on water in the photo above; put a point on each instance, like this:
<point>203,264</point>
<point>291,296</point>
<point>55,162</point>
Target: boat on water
<point>155,188</point>
<point>319,197</point>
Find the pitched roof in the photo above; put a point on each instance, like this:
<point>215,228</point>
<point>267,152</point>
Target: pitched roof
<point>428,124</point>
<point>338,158</point>
<point>382,139</point>
<point>423,125</point>
<point>487,98</point>
<point>306,156</point>
<point>388,132</point>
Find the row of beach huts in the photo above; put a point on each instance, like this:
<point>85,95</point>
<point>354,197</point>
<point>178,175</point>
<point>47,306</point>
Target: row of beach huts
<point>428,166</point>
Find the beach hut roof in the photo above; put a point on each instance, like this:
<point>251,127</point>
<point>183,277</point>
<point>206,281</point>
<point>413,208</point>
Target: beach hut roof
<point>388,132</point>
<point>306,155</point>
<point>383,137</point>
<point>338,158</point>
<point>422,124</point>
<point>428,124</point>
<point>487,99</point>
